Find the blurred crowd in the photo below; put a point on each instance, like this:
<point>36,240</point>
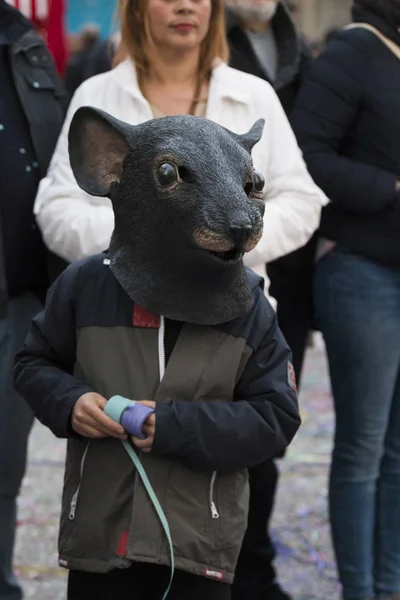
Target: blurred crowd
<point>330,250</point>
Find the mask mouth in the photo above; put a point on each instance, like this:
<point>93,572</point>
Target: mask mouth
<point>228,256</point>
<point>226,249</point>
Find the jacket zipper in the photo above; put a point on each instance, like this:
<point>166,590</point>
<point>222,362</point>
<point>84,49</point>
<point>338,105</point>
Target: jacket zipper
<point>74,501</point>
<point>161,348</point>
<point>161,359</point>
<point>213,508</point>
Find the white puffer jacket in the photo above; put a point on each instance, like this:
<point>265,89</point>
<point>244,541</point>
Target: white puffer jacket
<point>75,224</point>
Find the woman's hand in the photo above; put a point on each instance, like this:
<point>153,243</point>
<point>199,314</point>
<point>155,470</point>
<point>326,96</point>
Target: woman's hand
<point>149,428</point>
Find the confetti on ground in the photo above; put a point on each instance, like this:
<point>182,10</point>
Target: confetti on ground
<point>305,561</point>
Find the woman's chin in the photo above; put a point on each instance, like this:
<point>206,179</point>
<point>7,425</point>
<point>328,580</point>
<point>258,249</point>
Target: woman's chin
<point>182,42</point>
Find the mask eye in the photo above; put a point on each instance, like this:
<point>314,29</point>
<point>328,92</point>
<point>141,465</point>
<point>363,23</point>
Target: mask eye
<point>167,174</point>
<point>258,181</point>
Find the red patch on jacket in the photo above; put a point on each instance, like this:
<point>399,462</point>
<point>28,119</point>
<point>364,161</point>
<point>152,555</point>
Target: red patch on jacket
<point>123,544</point>
<point>144,318</point>
<point>292,377</point>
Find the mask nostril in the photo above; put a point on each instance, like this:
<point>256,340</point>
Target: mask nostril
<point>240,233</point>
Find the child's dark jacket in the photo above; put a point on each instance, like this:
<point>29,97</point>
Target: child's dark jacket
<point>226,403</point>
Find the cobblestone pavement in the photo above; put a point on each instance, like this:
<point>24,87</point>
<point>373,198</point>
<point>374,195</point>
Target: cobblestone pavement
<point>305,561</point>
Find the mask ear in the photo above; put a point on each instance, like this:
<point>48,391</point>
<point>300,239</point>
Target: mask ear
<point>250,139</point>
<point>98,145</point>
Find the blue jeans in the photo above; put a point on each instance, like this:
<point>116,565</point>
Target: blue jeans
<point>358,309</point>
<point>16,421</point>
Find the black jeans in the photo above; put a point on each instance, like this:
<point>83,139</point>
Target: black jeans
<point>144,581</point>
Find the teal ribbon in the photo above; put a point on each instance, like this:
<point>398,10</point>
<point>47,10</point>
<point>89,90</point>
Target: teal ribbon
<point>114,409</point>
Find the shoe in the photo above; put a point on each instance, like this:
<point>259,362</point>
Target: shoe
<point>275,592</point>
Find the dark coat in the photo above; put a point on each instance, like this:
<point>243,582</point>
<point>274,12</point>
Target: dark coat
<point>42,100</point>
<point>348,124</point>
<point>91,61</point>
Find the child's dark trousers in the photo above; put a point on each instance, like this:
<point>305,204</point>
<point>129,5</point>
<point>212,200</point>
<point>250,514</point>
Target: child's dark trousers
<point>144,582</point>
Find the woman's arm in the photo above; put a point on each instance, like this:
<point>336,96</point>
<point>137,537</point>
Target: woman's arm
<point>293,200</point>
<point>73,223</point>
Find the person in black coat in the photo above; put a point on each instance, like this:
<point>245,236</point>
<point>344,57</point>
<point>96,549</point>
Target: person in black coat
<point>95,57</point>
<point>264,41</point>
<point>32,110</point>
<point>347,121</point>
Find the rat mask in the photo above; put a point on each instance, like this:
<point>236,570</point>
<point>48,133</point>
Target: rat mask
<point>187,203</point>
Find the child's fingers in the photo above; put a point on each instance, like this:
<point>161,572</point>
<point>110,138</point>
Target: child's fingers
<point>88,432</point>
<point>91,422</point>
<point>111,427</point>
<point>148,429</point>
<point>151,420</point>
<point>142,444</point>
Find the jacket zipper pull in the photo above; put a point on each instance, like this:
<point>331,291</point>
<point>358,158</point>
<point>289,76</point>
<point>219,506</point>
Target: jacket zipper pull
<point>72,508</point>
<point>213,508</point>
<point>214,512</point>
<point>161,348</point>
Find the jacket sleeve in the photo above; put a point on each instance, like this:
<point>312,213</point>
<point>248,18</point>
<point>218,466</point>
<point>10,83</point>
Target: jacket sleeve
<point>228,436</point>
<point>73,223</point>
<point>293,201</point>
<point>43,367</point>
<point>325,111</point>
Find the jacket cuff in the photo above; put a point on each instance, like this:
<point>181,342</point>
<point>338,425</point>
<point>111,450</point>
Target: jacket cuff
<point>59,417</point>
<point>168,438</point>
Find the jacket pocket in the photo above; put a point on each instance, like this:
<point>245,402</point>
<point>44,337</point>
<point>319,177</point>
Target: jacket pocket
<point>41,74</point>
<point>97,502</point>
<point>229,498</point>
<point>75,497</point>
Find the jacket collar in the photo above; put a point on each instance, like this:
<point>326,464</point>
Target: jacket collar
<point>222,84</point>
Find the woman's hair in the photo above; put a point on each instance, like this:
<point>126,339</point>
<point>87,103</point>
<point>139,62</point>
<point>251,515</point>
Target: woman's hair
<point>136,38</point>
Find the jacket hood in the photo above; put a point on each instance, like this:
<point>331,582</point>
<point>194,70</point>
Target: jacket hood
<point>382,14</point>
<point>287,39</point>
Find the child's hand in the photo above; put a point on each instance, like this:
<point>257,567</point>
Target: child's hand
<point>89,419</point>
<point>148,428</point>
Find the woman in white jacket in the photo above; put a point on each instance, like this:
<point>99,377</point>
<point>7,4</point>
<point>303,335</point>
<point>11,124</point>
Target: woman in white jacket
<point>172,60</point>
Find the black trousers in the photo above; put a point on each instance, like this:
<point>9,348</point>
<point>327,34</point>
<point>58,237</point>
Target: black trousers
<point>144,581</point>
<point>255,572</point>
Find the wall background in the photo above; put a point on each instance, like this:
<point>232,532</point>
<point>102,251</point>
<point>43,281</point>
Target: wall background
<point>316,17</point>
